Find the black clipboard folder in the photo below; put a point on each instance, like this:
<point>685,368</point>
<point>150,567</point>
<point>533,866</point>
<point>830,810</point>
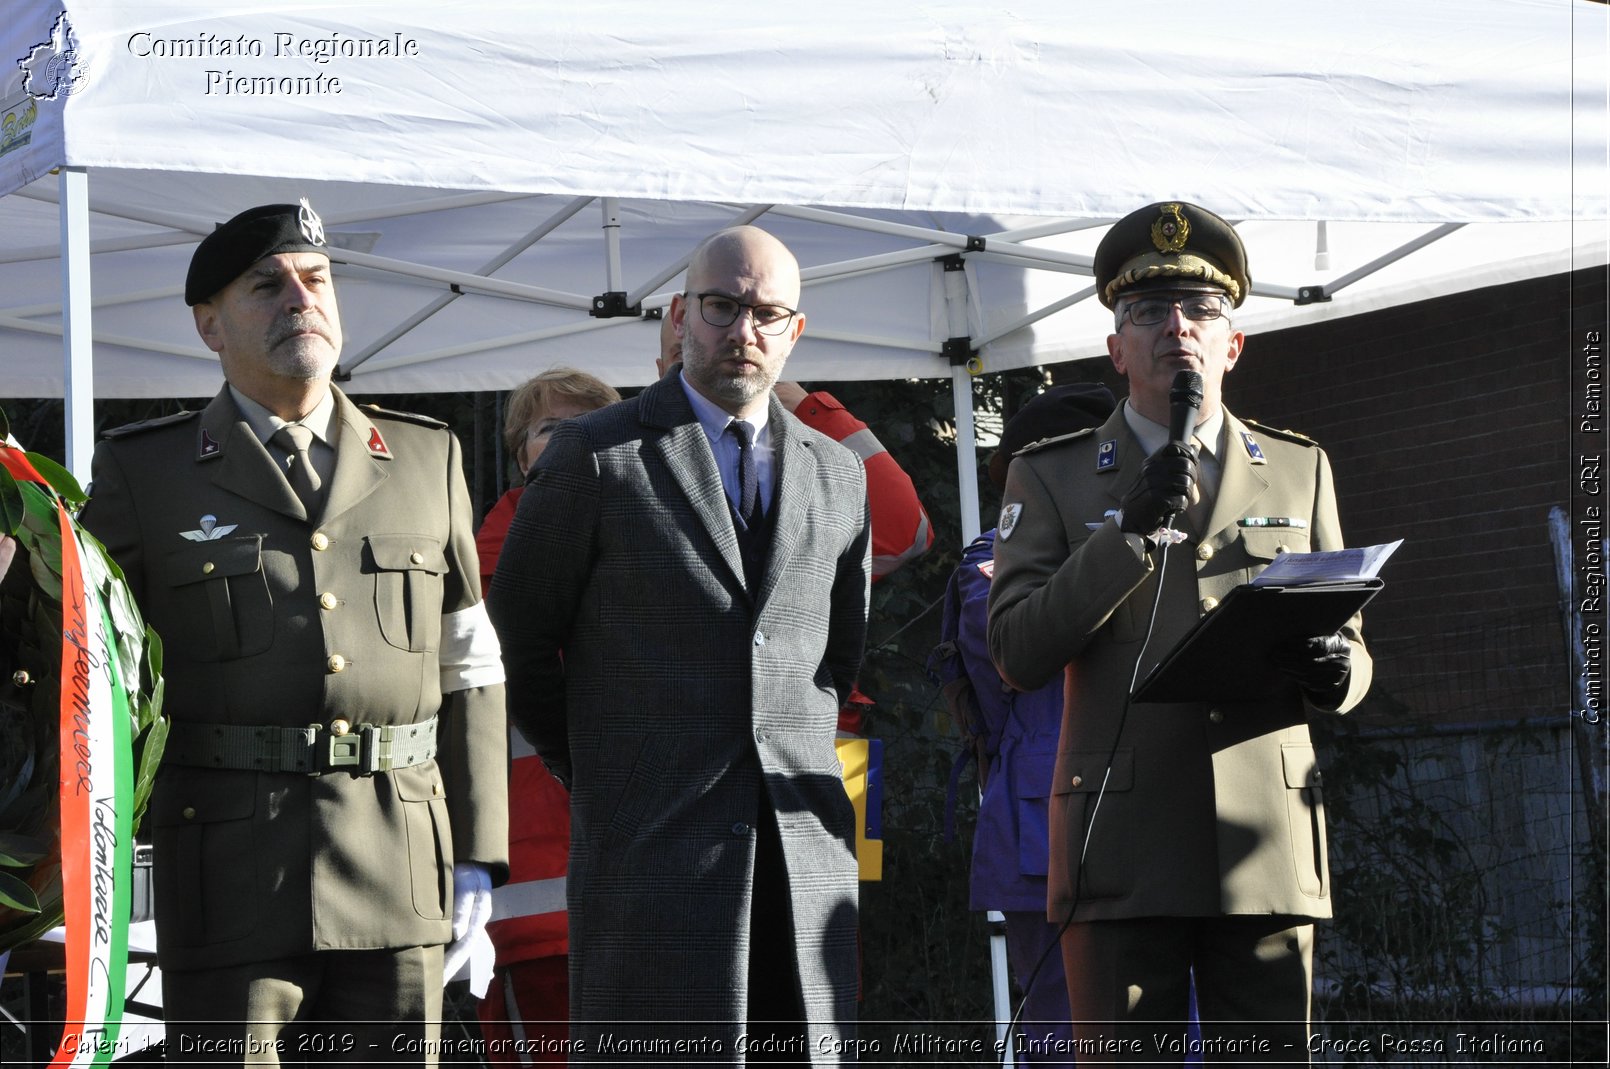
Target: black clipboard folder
<point>1225,657</point>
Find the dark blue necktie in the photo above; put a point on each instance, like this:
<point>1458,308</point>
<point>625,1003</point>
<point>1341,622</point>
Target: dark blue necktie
<point>748,474</point>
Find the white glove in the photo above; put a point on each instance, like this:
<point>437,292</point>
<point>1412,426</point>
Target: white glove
<point>472,908</point>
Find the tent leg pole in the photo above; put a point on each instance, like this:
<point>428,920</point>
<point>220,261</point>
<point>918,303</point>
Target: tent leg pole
<point>78,380</point>
<point>961,388</point>
<point>1000,981</point>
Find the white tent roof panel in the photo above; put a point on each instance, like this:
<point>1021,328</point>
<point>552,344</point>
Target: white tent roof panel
<point>1031,125</point>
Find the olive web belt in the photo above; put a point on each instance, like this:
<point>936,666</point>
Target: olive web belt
<point>316,749</point>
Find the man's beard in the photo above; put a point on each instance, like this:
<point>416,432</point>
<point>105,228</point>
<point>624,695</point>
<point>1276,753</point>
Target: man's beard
<point>727,388</point>
<point>306,357</point>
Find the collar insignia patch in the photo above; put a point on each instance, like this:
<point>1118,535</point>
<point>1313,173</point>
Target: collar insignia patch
<point>1107,455</point>
<point>208,447</point>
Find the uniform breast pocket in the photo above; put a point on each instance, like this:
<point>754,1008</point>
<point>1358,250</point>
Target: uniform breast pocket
<point>408,572</point>
<point>1263,544</point>
<point>221,608</point>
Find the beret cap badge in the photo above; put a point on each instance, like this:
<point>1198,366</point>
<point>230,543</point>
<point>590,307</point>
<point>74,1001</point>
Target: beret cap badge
<point>308,221</point>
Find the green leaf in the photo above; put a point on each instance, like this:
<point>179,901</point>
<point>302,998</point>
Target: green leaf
<point>19,851</point>
<point>12,507</point>
<point>60,479</point>
<point>5,425</point>
<point>17,895</point>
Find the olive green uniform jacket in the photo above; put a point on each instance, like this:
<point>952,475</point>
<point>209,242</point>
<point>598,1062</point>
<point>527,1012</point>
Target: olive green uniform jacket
<point>1210,808</point>
<point>368,613</point>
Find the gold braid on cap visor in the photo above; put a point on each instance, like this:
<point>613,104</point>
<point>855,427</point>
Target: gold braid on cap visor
<point>1152,265</point>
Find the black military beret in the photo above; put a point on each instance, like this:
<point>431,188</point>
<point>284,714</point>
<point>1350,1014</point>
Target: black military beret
<point>1171,242</point>
<point>1059,410</point>
<point>253,234</point>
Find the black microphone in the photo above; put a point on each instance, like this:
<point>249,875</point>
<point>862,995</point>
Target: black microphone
<point>1184,403</point>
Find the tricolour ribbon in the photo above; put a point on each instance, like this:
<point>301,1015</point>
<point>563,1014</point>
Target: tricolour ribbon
<point>97,799</point>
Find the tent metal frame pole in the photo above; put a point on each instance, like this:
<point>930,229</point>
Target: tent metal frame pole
<point>530,238</point>
<point>78,362</point>
<point>642,293</point>
<point>874,226</point>
<point>610,207</point>
<point>1034,317</point>
<point>1387,260</point>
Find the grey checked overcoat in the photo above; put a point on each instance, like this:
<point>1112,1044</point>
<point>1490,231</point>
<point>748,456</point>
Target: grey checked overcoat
<point>676,702</point>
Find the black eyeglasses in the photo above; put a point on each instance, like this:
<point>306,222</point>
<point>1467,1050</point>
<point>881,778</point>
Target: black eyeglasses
<point>719,310</point>
<point>1198,307</point>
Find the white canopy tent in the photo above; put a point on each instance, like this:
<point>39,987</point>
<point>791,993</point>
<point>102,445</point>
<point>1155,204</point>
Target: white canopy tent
<point>493,175</point>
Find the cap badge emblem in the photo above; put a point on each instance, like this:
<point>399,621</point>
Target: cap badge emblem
<point>311,225</point>
<point>1170,232</point>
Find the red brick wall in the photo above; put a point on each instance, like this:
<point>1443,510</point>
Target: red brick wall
<point>1446,424</point>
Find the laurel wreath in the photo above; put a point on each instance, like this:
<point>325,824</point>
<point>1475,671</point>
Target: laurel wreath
<point>30,689</point>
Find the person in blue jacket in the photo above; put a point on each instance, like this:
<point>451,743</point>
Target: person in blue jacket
<point>1013,735</point>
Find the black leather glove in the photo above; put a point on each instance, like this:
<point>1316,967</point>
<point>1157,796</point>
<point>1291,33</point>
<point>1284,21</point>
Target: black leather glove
<point>1320,664</point>
<point>1163,489</point>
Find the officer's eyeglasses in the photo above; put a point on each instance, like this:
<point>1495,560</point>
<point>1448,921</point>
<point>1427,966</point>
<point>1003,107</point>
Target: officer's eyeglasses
<point>1197,307</point>
<point>719,310</point>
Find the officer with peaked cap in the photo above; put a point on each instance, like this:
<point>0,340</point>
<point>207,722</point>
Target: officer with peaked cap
<point>331,807</point>
<point>1185,836</point>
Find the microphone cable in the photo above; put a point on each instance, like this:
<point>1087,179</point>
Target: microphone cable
<point>1101,793</point>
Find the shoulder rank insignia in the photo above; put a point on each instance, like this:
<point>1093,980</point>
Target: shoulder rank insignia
<point>1282,434</point>
<point>1254,450</point>
<point>1055,439</point>
<point>1107,455</point>
<point>1009,517</point>
<point>210,530</point>
<point>149,424</point>
<point>374,411</point>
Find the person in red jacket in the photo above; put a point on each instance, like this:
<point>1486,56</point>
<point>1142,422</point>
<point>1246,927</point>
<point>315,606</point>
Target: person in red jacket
<point>900,527</point>
<point>524,1014</point>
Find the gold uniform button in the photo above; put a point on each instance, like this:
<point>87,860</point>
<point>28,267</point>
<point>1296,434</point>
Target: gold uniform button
<point>207,569</point>
<point>339,727</point>
<point>21,678</point>
<point>1209,604</point>
<point>336,663</point>
<point>320,541</point>
<point>328,601</point>
<point>189,812</point>
<point>1204,552</point>
<point>416,557</point>
<point>1216,716</point>
<point>1077,781</point>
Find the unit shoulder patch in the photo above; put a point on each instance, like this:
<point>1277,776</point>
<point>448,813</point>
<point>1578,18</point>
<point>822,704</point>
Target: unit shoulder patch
<point>1281,433</point>
<point>376,412</point>
<point>1034,447</point>
<point>150,424</point>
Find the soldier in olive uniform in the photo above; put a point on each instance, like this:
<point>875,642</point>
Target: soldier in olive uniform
<point>1184,836</point>
<point>331,808</point>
